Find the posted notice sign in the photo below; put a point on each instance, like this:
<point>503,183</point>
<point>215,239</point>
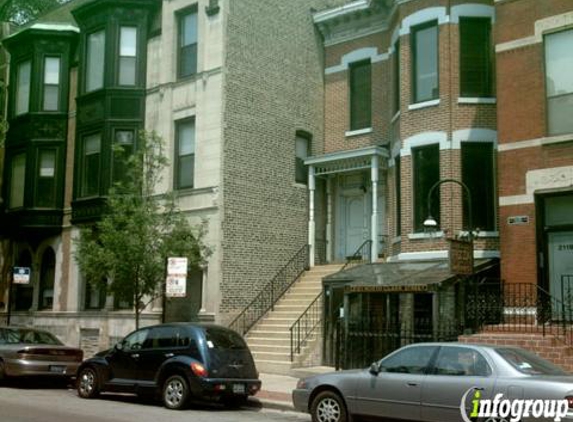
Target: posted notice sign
<point>21,275</point>
<point>176,283</point>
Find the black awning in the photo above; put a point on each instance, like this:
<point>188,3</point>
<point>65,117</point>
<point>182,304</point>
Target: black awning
<point>400,276</point>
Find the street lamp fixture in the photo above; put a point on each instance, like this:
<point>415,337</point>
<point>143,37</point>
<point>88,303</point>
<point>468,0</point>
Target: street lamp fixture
<point>431,223</point>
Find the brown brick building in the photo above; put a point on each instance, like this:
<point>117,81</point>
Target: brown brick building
<point>535,123</point>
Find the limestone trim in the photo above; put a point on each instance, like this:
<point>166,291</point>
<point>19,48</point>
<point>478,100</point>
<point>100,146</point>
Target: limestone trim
<point>537,180</point>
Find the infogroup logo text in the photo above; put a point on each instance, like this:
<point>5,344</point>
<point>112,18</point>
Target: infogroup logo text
<point>511,410</point>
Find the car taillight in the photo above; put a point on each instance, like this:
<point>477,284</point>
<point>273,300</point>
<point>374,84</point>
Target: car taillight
<point>199,370</point>
<point>569,401</point>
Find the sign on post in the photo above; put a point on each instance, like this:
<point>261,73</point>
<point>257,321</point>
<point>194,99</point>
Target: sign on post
<point>461,257</point>
<point>21,275</point>
<point>176,282</point>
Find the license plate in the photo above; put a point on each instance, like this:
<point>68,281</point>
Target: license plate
<point>58,369</point>
<point>239,388</point>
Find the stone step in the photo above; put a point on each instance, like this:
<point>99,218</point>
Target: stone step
<point>260,333</point>
<point>267,348</point>
<point>266,341</point>
<point>273,367</point>
<point>275,356</point>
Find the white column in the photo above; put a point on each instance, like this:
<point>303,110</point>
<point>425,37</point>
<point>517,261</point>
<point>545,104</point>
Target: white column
<point>374,219</point>
<point>204,273</point>
<point>329,219</point>
<point>311,223</point>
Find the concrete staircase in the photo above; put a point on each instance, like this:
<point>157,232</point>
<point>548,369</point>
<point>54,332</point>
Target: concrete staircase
<point>269,339</point>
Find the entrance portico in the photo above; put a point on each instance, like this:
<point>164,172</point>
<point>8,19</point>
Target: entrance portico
<point>354,201</point>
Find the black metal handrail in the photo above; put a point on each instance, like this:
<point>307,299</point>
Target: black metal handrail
<point>527,307</point>
<point>266,299</point>
<point>361,256</point>
<point>305,325</point>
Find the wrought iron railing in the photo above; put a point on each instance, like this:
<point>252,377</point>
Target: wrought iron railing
<point>266,299</point>
<point>523,307</point>
<point>305,326</point>
<point>361,256</point>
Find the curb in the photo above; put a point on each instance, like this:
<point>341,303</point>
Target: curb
<point>267,403</point>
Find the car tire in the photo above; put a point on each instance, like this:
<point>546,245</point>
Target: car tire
<point>88,383</point>
<point>328,406</point>
<point>2,372</point>
<point>175,392</point>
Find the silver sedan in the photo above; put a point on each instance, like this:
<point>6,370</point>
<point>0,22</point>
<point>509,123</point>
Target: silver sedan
<point>443,382</point>
<point>31,352</point>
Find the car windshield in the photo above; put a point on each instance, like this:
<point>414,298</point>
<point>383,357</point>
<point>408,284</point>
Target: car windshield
<point>528,363</point>
<point>16,335</point>
<point>224,339</point>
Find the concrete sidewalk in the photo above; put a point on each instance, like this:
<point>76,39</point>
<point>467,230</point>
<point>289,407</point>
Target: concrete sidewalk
<point>276,390</point>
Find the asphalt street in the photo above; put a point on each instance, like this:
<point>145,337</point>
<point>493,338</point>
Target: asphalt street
<point>22,403</point>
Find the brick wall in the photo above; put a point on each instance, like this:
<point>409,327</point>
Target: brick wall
<point>273,87</point>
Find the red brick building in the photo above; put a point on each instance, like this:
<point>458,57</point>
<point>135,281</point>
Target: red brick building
<point>534,58</point>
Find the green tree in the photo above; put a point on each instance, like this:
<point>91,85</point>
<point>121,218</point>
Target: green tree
<point>20,12</point>
<point>139,230</point>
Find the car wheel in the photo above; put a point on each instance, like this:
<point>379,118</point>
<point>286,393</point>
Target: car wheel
<point>88,383</point>
<point>175,392</point>
<point>328,407</point>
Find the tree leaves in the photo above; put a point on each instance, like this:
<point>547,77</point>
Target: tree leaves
<point>20,12</point>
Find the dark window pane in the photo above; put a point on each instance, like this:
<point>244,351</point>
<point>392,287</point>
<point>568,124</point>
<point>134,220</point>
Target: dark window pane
<point>302,148</point>
<point>396,76</point>
<point>461,361</point>
<point>46,180</point>
<point>476,70</point>
<point>91,165</point>
<point>186,169</point>
<point>426,173</point>
<point>478,175</point>
<point>398,185</point>
<point>185,149</point>
<point>360,95</point>
<point>412,360</point>
<point>127,71</point>
<point>95,295</point>
<point>95,61</point>
<point>123,149</point>
<point>187,44</point>
<point>425,62</point>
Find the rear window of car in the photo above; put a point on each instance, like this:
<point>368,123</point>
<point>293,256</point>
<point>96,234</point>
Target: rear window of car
<point>528,363</point>
<point>15,336</point>
<point>224,340</point>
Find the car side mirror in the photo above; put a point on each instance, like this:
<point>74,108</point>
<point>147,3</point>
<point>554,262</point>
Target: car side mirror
<point>375,368</point>
<point>118,346</point>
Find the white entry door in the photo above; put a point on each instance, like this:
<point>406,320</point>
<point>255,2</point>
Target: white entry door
<point>560,249</point>
<point>356,222</point>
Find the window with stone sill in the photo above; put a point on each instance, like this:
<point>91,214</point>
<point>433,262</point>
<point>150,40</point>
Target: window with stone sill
<point>187,43</point>
<point>425,62</point>
<point>426,169</point>
<point>90,166</point>
<point>478,175</point>
<point>360,95</point>
<point>127,56</point>
<point>185,154</point>
<point>476,58</point>
<point>559,82</point>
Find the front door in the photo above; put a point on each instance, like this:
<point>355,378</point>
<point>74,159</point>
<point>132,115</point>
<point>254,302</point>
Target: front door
<point>560,247</point>
<point>356,223</point>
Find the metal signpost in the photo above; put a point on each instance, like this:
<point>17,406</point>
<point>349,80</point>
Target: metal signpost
<point>175,280</point>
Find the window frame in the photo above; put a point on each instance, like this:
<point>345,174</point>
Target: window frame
<point>22,99</point>
<point>481,206</point>
<point>396,76</point>
<point>178,156</point>
<point>300,172</point>
<point>548,98</point>
<point>180,16</point>
<point>416,98</point>
<point>89,67</point>
<point>134,57</point>
<point>466,54</point>
<point>84,170</point>
<point>420,198</point>
<point>118,159</point>
<point>20,190</point>
<point>360,95</point>
<point>41,189</point>
<point>46,85</point>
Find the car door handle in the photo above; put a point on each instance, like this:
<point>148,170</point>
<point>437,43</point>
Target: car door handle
<point>169,355</point>
<point>412,384</point>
